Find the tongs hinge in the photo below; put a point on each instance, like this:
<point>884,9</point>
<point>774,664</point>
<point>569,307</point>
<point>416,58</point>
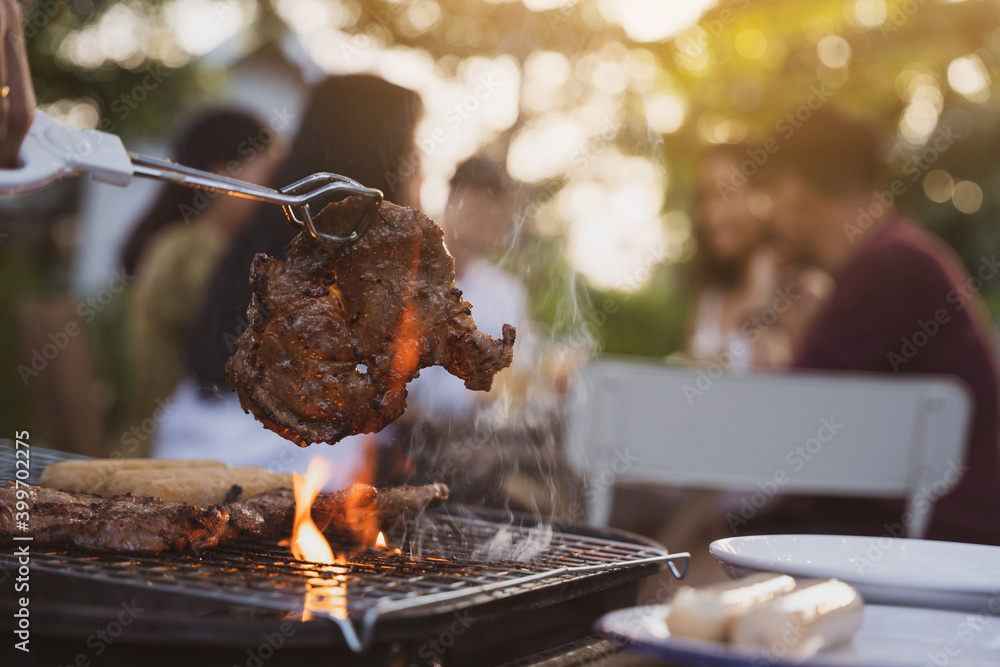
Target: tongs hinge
<point>329,184</point>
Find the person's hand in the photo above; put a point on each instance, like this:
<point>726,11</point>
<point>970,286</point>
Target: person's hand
<point>17,96</point>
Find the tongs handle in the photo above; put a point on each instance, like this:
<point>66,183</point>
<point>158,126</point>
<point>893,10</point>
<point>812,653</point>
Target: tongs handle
<point>52,150</point>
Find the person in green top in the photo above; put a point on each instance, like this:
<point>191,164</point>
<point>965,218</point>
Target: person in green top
<point>172,253</point>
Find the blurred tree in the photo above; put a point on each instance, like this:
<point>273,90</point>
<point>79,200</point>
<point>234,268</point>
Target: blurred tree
<point>920,70</point>
<point>617,80</point>
<point>99,61</point>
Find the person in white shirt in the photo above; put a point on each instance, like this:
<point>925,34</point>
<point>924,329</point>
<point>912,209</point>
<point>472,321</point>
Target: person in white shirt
<point>476,222</point>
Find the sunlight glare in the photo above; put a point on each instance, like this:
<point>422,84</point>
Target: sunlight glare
<point>545,5</point>
<point>200,26</point>
<point>545,147</point>
<point>665,112</point>
<point>653,20</point>
<point>968,77</point>
<point>834,51</point>
<point>630,192</point>
<point>868,13</point>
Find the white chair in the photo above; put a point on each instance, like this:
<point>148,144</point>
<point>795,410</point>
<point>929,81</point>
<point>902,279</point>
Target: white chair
<point>764,434</point>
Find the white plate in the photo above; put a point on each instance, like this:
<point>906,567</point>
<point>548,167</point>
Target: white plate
<point>889,637</point>
<point>946,575</point>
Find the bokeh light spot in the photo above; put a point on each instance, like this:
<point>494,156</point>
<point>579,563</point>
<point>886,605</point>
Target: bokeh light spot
<point>967,197</point>
<point>867,13</point>
<point>653,20</point>
<point>834,51</point>
<point>665,112</point>
<point>967,76</point>
<point>938,185</point>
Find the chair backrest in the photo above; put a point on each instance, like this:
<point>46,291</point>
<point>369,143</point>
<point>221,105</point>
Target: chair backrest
<point>821,433</point>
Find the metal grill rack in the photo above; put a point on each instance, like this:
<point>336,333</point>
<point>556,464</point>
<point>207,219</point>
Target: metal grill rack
<point>39,458</point>
<point>447,561</point>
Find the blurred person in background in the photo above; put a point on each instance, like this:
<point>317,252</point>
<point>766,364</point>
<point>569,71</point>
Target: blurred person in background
<point>477,222</point>
<point>359,126</point>
<point>751,304</point>
<point>498,448</point>
<point>174,248</point>
<point>896,283</point>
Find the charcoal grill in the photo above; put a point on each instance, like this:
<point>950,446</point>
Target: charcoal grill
<point>526,586</point>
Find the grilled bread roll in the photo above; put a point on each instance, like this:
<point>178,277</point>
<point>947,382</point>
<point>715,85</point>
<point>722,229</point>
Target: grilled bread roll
<point>215,487</point>
<point>191,482</point>
<point>91,475</point>
<point>816,615</point>
<point>708,613</point>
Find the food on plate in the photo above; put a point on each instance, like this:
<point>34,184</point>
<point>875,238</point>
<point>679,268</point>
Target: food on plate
<point>200,483</point>
<point>138,525</point>
<point>336,333</point>
<point>822,613</point>
<point>708,613</point>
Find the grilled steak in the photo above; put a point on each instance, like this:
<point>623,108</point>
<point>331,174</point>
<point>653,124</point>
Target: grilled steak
<point>349,512</point>
<point>126,524</point>
<point>335,335</point>
<point>110,525</point>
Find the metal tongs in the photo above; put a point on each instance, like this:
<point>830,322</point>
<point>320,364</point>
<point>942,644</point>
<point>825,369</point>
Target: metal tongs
<point>53,150</point>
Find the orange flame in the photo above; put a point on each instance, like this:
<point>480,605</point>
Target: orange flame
<point>406,352</point>
<point>325,596</point>
<point>362,518</point>
<point>381,544</point>
<point>408,334</point>
<point>308,542</point>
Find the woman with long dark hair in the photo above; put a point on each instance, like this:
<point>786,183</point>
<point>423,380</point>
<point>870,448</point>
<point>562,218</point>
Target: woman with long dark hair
<point>209,142</point>
<point>752,302</point>
<point>359,126</point>
<point>174,249</point>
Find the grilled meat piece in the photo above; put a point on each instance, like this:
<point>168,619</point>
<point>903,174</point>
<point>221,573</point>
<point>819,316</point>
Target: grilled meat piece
<point>335,335</point>
<point>400,501</point>
<point>121,524</point>
<point>348,512</point>
<point>126,524</point>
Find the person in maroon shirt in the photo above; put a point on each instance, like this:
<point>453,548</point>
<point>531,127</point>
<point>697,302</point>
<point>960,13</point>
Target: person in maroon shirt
<point>903,303</point>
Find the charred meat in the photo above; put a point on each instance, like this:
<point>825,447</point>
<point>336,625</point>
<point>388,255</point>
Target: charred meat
<point>127,524</point>
<point>122,524</point>
<point>351,511</point>
<point>335,334</point>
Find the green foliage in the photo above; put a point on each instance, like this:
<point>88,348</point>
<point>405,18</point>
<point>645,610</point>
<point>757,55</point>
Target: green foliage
<point>751,94</point>
<point>743,66</point>
<point>118,91</point>
<point>651,322</point>
<point>20,277</point>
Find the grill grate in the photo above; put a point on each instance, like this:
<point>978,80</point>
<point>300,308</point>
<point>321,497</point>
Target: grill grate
<point>39,459</point>
<point>446,561</point>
